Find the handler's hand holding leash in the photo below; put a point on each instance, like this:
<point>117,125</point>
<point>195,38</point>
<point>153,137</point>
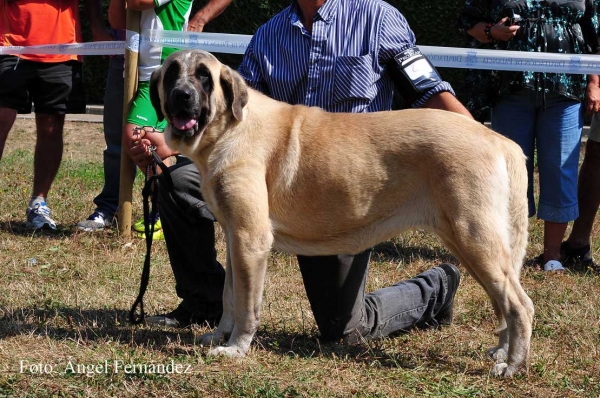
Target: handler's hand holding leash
<point>150,190</point>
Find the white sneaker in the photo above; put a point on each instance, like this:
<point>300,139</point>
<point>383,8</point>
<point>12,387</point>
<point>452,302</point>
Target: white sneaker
<point>553,266</point>
<point>95,222</point>
<point>38,217</point>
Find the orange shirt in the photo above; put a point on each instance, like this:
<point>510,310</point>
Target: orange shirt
<point>35,22</point>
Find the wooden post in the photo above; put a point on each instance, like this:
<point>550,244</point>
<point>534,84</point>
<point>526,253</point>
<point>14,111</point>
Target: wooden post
<point>127,166</point>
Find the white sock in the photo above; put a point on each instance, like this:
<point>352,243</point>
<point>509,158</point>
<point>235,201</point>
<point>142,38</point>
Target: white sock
<point>35,200</point>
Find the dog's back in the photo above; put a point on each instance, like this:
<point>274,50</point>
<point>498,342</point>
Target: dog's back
<point>339,173</point>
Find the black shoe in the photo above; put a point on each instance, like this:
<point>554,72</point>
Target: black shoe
<point>182,318</point>
<point>572,256</point>
<point>444,315</point>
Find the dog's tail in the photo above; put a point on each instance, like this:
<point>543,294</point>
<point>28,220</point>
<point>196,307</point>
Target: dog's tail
<point>517,177</point>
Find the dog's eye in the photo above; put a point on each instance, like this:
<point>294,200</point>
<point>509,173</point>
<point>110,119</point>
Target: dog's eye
<point>202,72</point>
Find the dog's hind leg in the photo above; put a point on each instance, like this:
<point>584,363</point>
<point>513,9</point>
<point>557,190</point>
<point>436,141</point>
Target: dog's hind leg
<point>492,266</point>
<point>518,312</point>
<point>499,352</point>
<point>484,249</point>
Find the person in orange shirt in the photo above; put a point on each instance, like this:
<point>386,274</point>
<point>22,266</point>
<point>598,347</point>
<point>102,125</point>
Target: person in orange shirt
<point>53,83</point>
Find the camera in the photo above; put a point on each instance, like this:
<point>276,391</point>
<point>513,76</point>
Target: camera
<point>513,18</point>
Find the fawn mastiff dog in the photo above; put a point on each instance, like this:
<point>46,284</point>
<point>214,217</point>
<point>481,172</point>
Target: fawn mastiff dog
<point>309,182</point>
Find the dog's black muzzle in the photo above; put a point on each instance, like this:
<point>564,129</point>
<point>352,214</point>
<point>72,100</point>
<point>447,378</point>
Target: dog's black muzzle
<point>182,105</point>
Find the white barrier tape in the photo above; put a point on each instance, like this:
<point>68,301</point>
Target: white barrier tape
<point>92,48</point>
<point>452,57</point>
<point>212,42</point>
<point>132,41</point>
<point>448,57</point>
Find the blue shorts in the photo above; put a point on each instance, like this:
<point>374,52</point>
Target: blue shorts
<point>556,134</point>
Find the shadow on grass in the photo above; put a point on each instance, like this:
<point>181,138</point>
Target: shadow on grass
<point>84,326</point>
<point>379,352</point>
<point>20,229</point>
<point>391,251</point>
<point>100,326</point>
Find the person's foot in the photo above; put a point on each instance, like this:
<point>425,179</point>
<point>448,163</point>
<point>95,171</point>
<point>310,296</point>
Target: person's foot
<point>157,235</point>
<point>445,314</point>
<point>39,216</point>
<point>548,266</point>
<point>95,222</point>
<point>182,318</point>
<point>576,255</point>
<point>138,226</point>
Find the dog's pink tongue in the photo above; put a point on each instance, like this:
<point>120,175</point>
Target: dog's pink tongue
<point>184,123</point>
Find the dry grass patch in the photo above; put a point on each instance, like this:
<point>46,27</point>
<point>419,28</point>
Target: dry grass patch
<point>65,298</point>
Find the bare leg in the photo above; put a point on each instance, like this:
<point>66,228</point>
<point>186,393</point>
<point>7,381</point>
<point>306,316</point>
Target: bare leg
<point>553,236</point>
<point>589,196</point>
<point>48,151</point>
<point>7,119</point>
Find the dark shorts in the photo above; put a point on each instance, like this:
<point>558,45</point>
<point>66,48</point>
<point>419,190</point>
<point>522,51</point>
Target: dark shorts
<point>51,87</point>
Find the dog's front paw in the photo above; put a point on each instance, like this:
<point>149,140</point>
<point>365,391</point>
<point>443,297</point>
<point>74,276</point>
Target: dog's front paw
<point>230,352</point>
<point>209,339</point>
<point>498,353</point>
<point>503,370</point>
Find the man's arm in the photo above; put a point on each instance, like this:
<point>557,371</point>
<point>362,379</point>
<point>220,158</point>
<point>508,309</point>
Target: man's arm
<point>210,11</point>
<point>116,14</point>
<point>413,75</point>
<point>116,10</point>
<point>140,5</point>
<point>93,9</point>
<point>250,68</point>
<point>448,102</point>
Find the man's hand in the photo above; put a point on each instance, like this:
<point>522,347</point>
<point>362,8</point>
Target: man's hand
<point>195,24</point>
<point>448,102</point>
<point>137,144</point>
<point>592,95</point>
<point>209,12</point>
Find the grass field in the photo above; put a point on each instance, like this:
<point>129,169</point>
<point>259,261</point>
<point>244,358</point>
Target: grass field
<point>65,297</point>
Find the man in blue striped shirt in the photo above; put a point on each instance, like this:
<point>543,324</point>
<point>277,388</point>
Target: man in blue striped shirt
<point>343,56</point>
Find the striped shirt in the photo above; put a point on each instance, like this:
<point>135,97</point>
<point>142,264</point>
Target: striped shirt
<point>341,66</point>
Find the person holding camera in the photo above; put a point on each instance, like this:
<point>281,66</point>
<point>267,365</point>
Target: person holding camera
<point>542,111</point>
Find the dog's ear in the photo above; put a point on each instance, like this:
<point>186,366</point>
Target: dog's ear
<point>234,91</point>
<point>154,97</point>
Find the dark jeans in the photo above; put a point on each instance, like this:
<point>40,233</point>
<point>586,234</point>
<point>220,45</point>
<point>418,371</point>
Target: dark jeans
<point>107,200</point>
<point>335,285</point>
<point>189,231</point>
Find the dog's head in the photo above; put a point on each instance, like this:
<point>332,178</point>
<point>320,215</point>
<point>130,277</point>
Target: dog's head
<point>192,89</point>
